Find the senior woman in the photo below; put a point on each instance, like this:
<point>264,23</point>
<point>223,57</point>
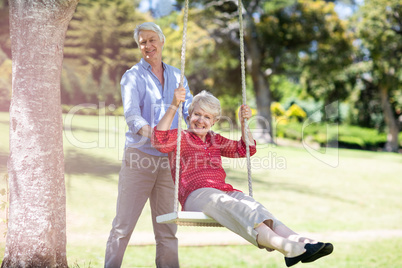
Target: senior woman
<point>202,180</point>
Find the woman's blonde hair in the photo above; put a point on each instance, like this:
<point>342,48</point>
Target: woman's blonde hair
<point>208,103</point>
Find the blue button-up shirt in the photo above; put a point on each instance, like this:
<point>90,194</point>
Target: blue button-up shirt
<point>145,101</point>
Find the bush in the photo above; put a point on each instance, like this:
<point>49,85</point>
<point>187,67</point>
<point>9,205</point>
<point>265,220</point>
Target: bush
<point>277,109</point>
<point>296,112</point>
<point>345,136</point>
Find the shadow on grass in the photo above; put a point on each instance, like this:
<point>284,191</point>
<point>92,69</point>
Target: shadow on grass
<point>84,129</point>
<point>78,163</point>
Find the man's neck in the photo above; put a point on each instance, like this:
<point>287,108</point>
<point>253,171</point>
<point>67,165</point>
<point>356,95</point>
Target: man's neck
<point>155,64</point>
<point>157,69</point>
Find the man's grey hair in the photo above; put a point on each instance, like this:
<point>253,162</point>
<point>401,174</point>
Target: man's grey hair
<point>148,26</point>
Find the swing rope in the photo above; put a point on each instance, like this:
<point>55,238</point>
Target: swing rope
<point>183,63</point>
<point>244,94</point>
<point>199,218</point>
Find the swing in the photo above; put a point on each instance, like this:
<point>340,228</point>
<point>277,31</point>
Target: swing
<point>192,218</point>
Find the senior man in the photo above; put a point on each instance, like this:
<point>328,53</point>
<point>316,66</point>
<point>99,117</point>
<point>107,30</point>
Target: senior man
<point>147,91</point>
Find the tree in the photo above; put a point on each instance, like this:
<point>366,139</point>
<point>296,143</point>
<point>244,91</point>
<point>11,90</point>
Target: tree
<point>379,28</point>
<point>326,52</point>
<point>37,215</point>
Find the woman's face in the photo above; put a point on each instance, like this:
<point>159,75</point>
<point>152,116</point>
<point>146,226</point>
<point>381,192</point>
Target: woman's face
<point>200,122</point>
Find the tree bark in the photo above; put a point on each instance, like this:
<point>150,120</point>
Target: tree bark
<point>36,234</point>
<point>391,121</point>
<point>260,84</point>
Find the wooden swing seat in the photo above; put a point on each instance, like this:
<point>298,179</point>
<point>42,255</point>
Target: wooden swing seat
<point>188,218</point>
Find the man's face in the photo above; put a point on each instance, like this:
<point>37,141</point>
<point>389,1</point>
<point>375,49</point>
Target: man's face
<point>150,45</point>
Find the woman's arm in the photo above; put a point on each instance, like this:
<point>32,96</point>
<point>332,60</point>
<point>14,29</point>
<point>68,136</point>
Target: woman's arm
<point>165,123</point>
<point>245,113</point>
<point>145,131</point>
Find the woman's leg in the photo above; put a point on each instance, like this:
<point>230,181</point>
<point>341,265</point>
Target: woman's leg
<point>270,239</point>
<point>242,214</point>
<point>286,232</point>
<point>249,219</point>
<point>239,216</point>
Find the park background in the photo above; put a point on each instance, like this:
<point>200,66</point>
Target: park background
<point>327,173</point>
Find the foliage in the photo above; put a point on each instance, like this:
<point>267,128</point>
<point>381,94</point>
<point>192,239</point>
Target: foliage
<point>100,37</point>
<point>297,41</point>
<point>277,109</point>
<point>296,112</point>
<point>326,54</point>
<point>379,28</point>
<point>199,48</point>
<point>5,81</point>
<point>284,88</point>
<point>293,113</point>
<point>344,136</point>
<point>380,32</point>
<point>5,43</point>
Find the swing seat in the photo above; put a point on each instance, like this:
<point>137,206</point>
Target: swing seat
<point>188,218</point>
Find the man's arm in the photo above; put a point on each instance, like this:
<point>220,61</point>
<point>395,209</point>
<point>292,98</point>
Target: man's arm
<point>132,111</point>
<point>165,123</point>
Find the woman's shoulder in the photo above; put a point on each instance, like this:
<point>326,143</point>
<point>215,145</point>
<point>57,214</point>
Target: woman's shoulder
<point>216,137</point>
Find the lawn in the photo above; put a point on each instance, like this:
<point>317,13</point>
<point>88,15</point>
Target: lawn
<point>329,194</point>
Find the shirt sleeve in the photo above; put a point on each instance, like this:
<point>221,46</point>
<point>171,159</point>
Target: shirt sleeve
<point>189,100</point>
<point>131,97</point>
<point>235,149</point>
<point>165,141</point>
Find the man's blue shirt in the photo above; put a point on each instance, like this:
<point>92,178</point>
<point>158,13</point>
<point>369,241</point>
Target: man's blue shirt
<point>145,101</point>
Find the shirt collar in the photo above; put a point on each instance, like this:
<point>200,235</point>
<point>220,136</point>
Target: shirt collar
<point>194,136</point>
<point>147,66</point>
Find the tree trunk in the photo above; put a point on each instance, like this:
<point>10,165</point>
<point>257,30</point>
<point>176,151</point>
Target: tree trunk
<point>260,84</point>
<point>36,234</point>
<point>392,144</point>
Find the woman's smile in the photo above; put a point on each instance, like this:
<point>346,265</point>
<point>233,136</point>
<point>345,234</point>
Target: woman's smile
<point>201,122</point>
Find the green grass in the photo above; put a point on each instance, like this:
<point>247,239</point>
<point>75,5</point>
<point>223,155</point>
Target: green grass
<point>381,253</point>
<point>319,192</point>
